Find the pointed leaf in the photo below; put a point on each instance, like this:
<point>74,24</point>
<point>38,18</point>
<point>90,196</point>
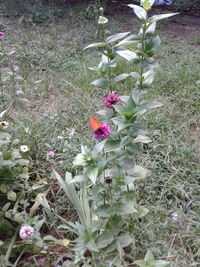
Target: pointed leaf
<point>116,37</point>
<point>138,172</point>
<point>142,139</point>
<point>100,44</point>
<point>135,75</point>
<point>139,11</point>
<point>102,82</point>
<point>125,240</point>
<point>149,256</point>
<point>99,146</point>
<point>120,77</point>
<point>104,239</point>
<point>127,43</point>
<point>92,174</point>
<point>128,55</point>
<point>160,17</point>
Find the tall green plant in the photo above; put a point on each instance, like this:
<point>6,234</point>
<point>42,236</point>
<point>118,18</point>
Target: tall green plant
<point>108,185</point>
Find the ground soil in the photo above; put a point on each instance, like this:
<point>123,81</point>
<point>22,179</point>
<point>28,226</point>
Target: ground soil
<point>185,25</point>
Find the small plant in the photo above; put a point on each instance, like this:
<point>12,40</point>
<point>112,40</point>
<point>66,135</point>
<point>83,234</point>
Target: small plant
<point>106,189</point>
<point>17,191</point>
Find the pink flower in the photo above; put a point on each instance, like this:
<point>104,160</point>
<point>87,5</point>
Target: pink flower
<point>1,34</point>
<point>50,153</point>
<point>102,132</point>
<point>42,261</point>
<point>26,232</point>
<point>111,100</point>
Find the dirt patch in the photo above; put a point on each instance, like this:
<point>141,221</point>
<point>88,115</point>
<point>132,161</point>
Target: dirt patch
<point>184,26</point>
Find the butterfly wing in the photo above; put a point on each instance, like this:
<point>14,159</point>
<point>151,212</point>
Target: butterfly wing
<point>95,124</point>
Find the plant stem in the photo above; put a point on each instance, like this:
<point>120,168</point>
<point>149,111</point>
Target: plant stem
<point>142,57</point>
<point>110,191</point>
<point>1,81</point>
<point>10,247</point>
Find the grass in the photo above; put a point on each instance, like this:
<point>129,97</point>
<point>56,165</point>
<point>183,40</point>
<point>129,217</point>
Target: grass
<point>57,82</point>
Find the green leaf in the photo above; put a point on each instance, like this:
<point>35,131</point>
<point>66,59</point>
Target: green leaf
<point>119,121</point>
<point>160,263</point>
<point>11,195</point>
<point>79,179</point>
<point>116,37</point>
<point>112,145</point>
<point>92,173</point>
<point>138,172</point>
<point>72,195</point>
<point>152,45</point>
<point>160,17</point>
<point>151,27</point>
<point>61,242</point>
<point>5,96</point>
<point>149,261</point>
<point>99,146</point>
<point>104,239</point>
<point>135,75</point>
<point>115,224</point>
<point>125,240</point>
<point>149,256</point>
<point>2,113</point>
<point>128,55</point>
<point>148,78</point>
<point>146,107</point>
<point>120,77</point>
<point>139,11</point>
<point>22,162</point>
<point>50,238</point>
<point>4,135</point>
<point>154,104</point>
<point>119,208</point>
<point>68,177</point>
<point>142,211</point>
<point>100,44</point>
<point>102,82</point>
<point>142,139</point>
<point>127,43</point>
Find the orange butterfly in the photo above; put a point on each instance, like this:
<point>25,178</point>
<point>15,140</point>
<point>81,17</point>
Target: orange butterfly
<point>95,124</point>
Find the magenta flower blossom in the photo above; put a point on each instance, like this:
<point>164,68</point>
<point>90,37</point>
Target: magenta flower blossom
<point>111,100</point>
<point>50,153</point>
<point>26,232</point>
<point>102,132</point>
<point>1,34</point>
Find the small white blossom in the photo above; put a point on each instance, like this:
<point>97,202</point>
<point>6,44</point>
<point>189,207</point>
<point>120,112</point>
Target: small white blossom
<point>174,217</point>
<point>102,20</point>
<point>24,148</point>
<point>4,124</point>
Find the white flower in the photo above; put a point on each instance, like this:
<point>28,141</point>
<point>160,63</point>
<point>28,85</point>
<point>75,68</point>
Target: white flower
<point>174,217</point>
<point>102,20</point>
<point>156,132</point>
<point>24,148</point>
<point>4,124</point>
